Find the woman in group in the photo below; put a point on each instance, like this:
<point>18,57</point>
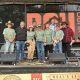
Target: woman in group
<point>31,42</point>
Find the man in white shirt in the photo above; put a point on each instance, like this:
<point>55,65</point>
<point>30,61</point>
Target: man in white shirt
<point>53,23</point>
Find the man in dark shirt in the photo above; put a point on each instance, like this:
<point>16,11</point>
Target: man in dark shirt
<point>21,34</point>
<point>68,38</point>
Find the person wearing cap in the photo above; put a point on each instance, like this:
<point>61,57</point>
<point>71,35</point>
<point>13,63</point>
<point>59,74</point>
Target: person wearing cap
<point>48,39</point>
<point>57,40</point>
<point>39,34</point>
<point>31,42</point>
<point>9,36</point>
<point>68,39</point>
<point>21,33</point>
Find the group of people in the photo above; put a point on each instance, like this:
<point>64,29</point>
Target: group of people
<point>52,39</point>
<point>18,36</point>
<point>45,41</point>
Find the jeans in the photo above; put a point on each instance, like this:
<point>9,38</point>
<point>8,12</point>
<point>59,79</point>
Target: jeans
<point>9,47</point>
<point>58,47</point>
<point>40,50</point>
<point>67,49</point>
<point>20,45</point>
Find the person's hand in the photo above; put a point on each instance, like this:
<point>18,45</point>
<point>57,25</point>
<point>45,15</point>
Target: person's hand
<point>60,39</point>
<point>28,41</point>
<point>25,42</point>
<point>44,43</point>
<point>72,42</point>
<point>55,41</point>
<point>54,44</point>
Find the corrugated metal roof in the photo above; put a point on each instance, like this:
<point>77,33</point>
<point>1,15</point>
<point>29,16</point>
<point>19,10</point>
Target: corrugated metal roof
<point>30,1</point>
<point>36,1</point>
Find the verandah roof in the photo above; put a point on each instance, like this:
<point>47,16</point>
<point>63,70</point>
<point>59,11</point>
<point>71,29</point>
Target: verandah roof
<point>36,1</point>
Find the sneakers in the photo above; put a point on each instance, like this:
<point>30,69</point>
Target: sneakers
<point>44,61</point>
<point>29,60</point>
<point>40,62</point>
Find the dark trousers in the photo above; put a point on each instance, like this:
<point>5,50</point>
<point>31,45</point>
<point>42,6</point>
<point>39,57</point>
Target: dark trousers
<point>48,49</point>
<point>67,49</point>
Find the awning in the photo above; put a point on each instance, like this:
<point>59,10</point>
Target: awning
<point>37,1</point>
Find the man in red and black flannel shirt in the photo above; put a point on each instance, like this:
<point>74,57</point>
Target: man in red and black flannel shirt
<point>68,38</point>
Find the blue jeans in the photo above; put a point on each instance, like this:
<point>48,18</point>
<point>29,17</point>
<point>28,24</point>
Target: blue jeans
<point>20,45</point>
<point>9,47</point>
<point>40,50</point>
<point>58,47</point>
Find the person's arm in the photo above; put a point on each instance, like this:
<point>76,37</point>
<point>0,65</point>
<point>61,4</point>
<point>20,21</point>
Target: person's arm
<point>35,35</point>
<point>61,35</point>
<point>26,36</point>
<point>14,36</point>
<point>10,40</point>
<point>53,35</point>
<point>44,38</point>
<point>54,38</point>
<point>72,36</point>
<point>5,35</point>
